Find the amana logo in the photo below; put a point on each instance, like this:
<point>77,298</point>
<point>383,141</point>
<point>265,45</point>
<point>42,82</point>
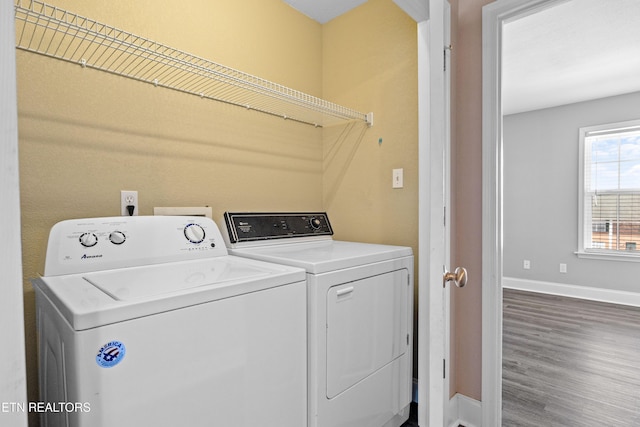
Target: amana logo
<point>110,354</point>
<point>85,256</point>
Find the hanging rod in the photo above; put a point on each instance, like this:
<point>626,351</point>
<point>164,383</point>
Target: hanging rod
<point>48,30</point>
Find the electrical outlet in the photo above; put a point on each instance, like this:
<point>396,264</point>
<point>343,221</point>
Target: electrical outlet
<point>563,268</point>
<point>526,264</point>
<point>128,203</point>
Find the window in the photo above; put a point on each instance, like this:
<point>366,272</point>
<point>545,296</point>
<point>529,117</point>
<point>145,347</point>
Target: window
<point>610,190</point>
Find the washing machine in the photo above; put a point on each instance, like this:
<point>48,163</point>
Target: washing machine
<point>148,321</point>
<point>360,314</point>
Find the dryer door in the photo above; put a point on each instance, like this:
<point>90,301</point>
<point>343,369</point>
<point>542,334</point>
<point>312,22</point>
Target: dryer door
<point>366,328</point>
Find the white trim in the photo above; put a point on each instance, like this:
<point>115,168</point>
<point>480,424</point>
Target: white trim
<point>583,236</point>
<point>464,411</point>
<point>573,291</point>
<point>447,207</point>
<point>613,256</point>
<point>431,132</point>
<point>432,123</point>
<point>491,218</point>
<point>431,308</point>
<point>424,201</point>
<point>13,383</point>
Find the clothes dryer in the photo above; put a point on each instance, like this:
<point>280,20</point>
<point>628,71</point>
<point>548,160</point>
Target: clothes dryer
<point>360,314</point>
<point>147,321</point>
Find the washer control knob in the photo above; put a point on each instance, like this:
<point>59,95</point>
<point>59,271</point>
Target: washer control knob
<point>315,223</point>
<point>88,240</point>
<point>117,237</point>
<point>194,233</point>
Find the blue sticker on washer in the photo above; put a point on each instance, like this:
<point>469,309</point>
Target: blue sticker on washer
<point>111,354</point>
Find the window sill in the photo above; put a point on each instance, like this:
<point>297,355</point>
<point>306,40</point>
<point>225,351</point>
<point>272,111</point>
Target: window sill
<point>607,256</point>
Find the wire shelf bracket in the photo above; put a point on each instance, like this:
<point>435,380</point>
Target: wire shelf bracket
<point>48,30</point>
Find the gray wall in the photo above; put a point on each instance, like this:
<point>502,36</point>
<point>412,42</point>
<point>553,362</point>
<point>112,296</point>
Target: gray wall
<point>541,195</point>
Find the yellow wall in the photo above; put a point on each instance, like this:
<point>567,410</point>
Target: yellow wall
<point>85,135</point>
<point>370,64</point>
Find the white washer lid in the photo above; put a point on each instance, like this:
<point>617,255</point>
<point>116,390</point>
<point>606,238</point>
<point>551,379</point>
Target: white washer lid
<point>324,256</point>
<point>89,300</point>
<point>138,283</point>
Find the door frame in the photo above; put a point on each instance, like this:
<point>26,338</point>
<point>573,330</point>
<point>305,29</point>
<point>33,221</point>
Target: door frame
<point>494,15</point>
<point>433,153</point>
<point>13,387</point>
<point>432,242</point>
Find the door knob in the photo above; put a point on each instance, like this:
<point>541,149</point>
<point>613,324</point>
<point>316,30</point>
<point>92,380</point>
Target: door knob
<point>459,277</point>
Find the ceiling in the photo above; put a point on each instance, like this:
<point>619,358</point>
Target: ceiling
<point>575,51</point>
<point>324,11</point>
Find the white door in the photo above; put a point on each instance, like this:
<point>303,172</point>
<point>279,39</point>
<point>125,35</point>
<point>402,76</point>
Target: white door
<point>433,323</point>
<point>433,20</point>
<point>12,362</point>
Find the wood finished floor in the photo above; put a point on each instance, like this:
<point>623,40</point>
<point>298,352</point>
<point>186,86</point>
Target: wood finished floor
<point>569,362</point>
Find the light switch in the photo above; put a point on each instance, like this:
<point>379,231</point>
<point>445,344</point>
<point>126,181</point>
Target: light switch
<point>398,179</point>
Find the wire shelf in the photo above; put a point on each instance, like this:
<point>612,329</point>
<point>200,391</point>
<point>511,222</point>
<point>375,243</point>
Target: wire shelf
<point>47,30</point>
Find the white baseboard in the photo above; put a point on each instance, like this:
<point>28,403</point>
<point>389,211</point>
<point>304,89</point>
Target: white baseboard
<point>465,411</point>
<point>573,291</point>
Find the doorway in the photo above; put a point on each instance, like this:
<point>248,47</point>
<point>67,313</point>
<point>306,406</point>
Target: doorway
<point>497,261</point>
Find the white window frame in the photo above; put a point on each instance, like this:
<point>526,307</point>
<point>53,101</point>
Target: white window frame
<point>585,217</point>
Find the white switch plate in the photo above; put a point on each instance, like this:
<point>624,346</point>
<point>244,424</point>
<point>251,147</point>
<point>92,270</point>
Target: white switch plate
<point>563,268</point>
<point>398,179</point>
<point>526,264</point>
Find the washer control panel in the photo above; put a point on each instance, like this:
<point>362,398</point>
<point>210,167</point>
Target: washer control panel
<point>93,244</point>
<point>249,227</point>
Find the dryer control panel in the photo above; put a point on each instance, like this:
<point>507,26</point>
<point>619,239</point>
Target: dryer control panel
<point>250,227</point>
<point>94,244</point>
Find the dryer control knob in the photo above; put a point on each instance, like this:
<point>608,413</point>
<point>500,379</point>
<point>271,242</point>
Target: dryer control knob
<point>194,233</point>
<point>117,237</point>
<point>315,223</point>
<point>88,240</point>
